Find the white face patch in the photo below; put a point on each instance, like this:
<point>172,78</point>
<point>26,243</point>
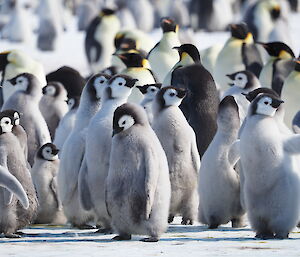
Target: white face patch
<point>151,92</point>
<point>47,154</point>
<point>264,107</point>
<point>240,80</point>
<point>22,83</point>
<point>6,125</point>
<point>17,119</point>
<point>99,85</point>
<point>125,122</point>
<point>50,90</point>
<point>118,88</point>
<point>71,103</point>
<point>171,98</point>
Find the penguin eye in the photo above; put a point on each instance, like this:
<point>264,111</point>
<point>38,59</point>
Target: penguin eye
<point>101,81</point>
<point>124,122</point>
<point>7,122</point>
<point>266,102</point>
<point>172,94</point>
<point>152,90</point>
<point>120,84</point>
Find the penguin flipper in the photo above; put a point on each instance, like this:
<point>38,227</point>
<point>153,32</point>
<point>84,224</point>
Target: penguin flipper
<point>8,196</point>
<point>234,153</point>
<point>292,144</point>
<point>195,156</point>
<point>151,178</point>
<point>11,183</point>
<point>53,188</point>
<point>83,187</point>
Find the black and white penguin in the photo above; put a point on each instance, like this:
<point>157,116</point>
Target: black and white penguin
<point>188,54</point>
<point>200,106</point>
<point>238,53</point>
<point>278,67</point>
<point>99,40</point>
<point>47,35</point>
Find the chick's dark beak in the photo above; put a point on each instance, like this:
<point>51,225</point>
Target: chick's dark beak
<point>181,93</point>
<point>116,131</point>
<point>276,103</point>
<point>55,151</point>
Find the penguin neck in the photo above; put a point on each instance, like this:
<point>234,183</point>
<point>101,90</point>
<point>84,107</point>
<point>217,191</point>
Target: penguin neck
<point>146,100</point>
<point>112,104</point>
<point>169,40</point>
<point>186,60</point>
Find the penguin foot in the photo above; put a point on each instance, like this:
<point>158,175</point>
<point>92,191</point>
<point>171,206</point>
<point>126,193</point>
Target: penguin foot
<point>170,219</point>
<point>187,221</point>
<point>12,235</point>
<point>281,236</point>
<point>151,239</point>
<point>104,231</point>
<point>84,226</point>
<point>264,236</point>
<point>122,237</point>
<point>237,223</point>
<point>213,226</point>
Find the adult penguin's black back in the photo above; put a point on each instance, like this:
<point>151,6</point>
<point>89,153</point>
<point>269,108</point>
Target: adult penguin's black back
<point>200,106</point>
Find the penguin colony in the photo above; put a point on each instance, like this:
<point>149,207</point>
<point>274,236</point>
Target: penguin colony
<point>153,132</point>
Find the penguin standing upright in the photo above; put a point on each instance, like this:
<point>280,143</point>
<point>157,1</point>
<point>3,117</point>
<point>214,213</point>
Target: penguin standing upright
<point>278,67</point>
<point>219,183</point>
<point>137,67</point>
<point>179,143</point>
<point>138,185</point>
<point>53,105</point>
<point>200,106</point>
<point>47,35</point>
<point>238,53</point>
<point>99,40</point>
<point>163,57</point>
<point>26,100</point>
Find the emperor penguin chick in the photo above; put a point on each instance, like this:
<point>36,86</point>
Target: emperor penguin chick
<point>44,173</point>
<point>53,105</point>
<point>95,164</point>
<point>179,142</point>
<point>163,57</point>
<point>219,183</point>
<point>149,91</point>
<point>138,186</point>
<point>271,183</point>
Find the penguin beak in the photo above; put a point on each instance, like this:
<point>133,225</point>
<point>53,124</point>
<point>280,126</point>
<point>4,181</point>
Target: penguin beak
<point>116,131</point>
<point>13,81</point>
<point>3,60</point>
<point>44,91</point>
<point>276,103</point>
<point>231,76</point>
<point>55,151</point>
<point>142,89</point>
<point>181,93</point>
<point>248,97</point>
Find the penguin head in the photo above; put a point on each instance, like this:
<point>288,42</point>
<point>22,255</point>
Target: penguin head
<point>150,90</point>
<point>170,96</point>
<point>13,114</point>
<point>273,7</point>
<point>262,90</point>
<point>133,59</point>
<point>127,44</point>
<point>188,51</point>
<point>4,60</point>
<point>297,66</point>
<point>107,12</point>
<point>278,50</point>
<point>168,25</point>
<point>243,79</point>
<point>6,123</point>
<point>48,152</point>
<point>73,102</point>
<point>96,85</point>
<point>265,104</point>
<point>128,115</point>
<point>228,115</point>
<point>26,82</point>
<point>120,86</point>
<point>55,89</point>
<point>241,31</point>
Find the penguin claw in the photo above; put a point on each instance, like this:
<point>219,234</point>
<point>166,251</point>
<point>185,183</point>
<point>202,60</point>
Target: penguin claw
<point>186,221</point>
<point>105,231</point>
<point>122,238</point>
<point>264,236</point>
<point>150,239</point>
<point>170,219</point>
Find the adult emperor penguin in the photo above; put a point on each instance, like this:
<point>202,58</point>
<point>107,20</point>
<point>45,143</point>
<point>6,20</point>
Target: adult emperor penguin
<point>73,152</point>
<point>200,106</point>
<point>271,180</point>
<point>67,123</point>
<point>95,165</point>
<point>138,186</point>
<point>26,101</point>
<point>179,143</point>
<point>188,54</point>
<point>278,67</point>
<point>163,57</point>
<point>219,183</point>
<point>99,40</point>
<point>44,178</point>
<point>137,67</point>
<point>53,105</point>
<point>149,91</point>
<point>13,63</point>
<point>242,83</point>
<point>18,197</point>
<point>239,53</point>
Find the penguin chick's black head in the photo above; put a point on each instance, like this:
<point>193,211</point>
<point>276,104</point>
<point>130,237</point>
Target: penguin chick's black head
<point>3,60</point>
<point>239,31</point>
<point>278,49</point>
<point>13,114</point>
<point>53,88</point>
<point>168,25</point>
<point>6,123</point>
<point>107,12</point>
<point>228,114</point>
<point>94,82</point>
<point>26,82</point>
<point>48,152</point>
<point>265,104</point>
<point>152,87</point>
<point>170,96</point>
<point>243,79</point>
<point>127,44</point>
<point>127,115</point>
<point>131,59</point>
<point>189,49</point>
<point>275,12</point>
<point>262,90</point>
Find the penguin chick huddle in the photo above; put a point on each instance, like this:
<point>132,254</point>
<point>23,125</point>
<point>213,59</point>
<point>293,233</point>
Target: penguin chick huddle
<point>153,133</point>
